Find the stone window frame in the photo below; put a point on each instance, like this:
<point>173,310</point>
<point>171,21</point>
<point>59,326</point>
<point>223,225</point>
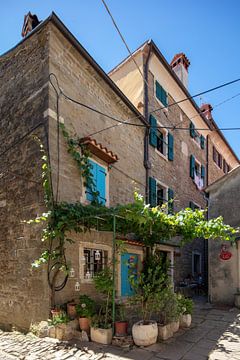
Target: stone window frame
<point>92,246</point>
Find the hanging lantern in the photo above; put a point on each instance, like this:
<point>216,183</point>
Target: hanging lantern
<point>77,286</point>
<point>72,273</point>
<point>88,275</point>
<point>97,255</point>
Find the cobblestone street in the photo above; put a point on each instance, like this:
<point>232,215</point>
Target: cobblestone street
<point>214,335</point>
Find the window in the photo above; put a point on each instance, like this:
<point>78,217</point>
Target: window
<point>220,161</point>
<point>160,194</point>
<point>99,175</point>
<point>161,140</point>
<point>95,261</point>
<point>197,172</point>
<point>161,94</point>
<point>200,139</point>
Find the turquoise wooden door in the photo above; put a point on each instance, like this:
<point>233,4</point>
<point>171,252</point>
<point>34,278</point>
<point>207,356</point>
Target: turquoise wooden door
<point>129,263</point>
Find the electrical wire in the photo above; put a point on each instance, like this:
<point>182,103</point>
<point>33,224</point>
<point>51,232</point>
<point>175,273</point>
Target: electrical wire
<point>125,122</point>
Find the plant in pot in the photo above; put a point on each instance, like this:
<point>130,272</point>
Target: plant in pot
<point>121,324</point>
<point>150,282</point>
<point>168,315</point>
<point>101,327</point>
<point>85,310</point>
<point>71,309</point>
<point>185,309</point>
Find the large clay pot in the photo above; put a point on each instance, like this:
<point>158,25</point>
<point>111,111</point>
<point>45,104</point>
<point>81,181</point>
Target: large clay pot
<point>121,328</point>
<point>145,333</point>
<point>71,310</point>
<point>84,324</point>
<point>174,326</point>
<point>101,336</point>
<point>185,320</point>
<point>164,332</point>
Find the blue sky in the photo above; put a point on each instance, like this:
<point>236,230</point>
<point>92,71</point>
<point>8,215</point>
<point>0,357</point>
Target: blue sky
<point>208,31</point>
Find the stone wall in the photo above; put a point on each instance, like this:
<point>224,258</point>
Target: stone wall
<point>176,174</point>
<point>23,98</point>
<point>224,275</point>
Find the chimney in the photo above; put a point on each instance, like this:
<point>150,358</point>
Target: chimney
<point>179,65</point>
<point>206,110</point>
<point>30,22</point>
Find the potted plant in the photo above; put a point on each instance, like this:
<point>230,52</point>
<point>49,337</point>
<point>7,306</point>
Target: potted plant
<point>101,327</point>
<point>121,325</point>
<point>85,310</point>
<point>168,314</point>
<point>71,309</point>
<point>151,281</point>
<point>185,309</point>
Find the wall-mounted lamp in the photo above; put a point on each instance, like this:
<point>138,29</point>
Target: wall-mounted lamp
<point>72,273</point>
<point>77,286</point>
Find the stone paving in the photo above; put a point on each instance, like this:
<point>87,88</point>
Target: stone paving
<point>214,335</point>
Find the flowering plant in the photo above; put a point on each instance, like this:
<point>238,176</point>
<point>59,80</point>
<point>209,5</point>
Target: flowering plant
<point>86,306</point>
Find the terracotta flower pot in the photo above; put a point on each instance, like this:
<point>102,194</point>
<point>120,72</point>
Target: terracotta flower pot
<point>84,324</point>
<point>121,328</point>
<point>55,312</point>
<point>71,310</point>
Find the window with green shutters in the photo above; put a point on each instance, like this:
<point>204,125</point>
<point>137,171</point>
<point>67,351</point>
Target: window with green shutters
<point>203,173</point>
<point>161,94</point>
<point>160,195</point>
<point>161,139</point>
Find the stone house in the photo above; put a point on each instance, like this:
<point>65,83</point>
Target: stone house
<point>181,162</point>
<point>224,258</point>
<point>123,158</point>
<point>28,105</point>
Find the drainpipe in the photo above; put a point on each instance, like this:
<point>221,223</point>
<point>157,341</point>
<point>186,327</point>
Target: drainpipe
<point>147,163</point>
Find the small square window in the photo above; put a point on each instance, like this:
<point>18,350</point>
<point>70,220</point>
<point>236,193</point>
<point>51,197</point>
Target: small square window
<point>95,261</point>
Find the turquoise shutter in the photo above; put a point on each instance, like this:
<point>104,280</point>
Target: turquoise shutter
<point>203,173</point>
<point>161,94</point>
<point>90,189</point>
<point>192,130</point>
<point>164,98</point>
<point>152,192</point>
<point>170,201</point>
<point>101,184</point>
<point>192,166</point>
<point>170,147</point>
<point>202,141</point>
<point>153,131</point>
<point>158,90</point>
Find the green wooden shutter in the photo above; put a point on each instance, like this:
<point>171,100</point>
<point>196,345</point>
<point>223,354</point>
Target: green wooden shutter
<point>202,140</point>
<point>170,147</point>
<point>161,94</point>
<point>192,130</point>
<point>153,131</point>
<point>170,201</point>
<point>192,166</point>
<point>152,192</point>
<point>203,173</point>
